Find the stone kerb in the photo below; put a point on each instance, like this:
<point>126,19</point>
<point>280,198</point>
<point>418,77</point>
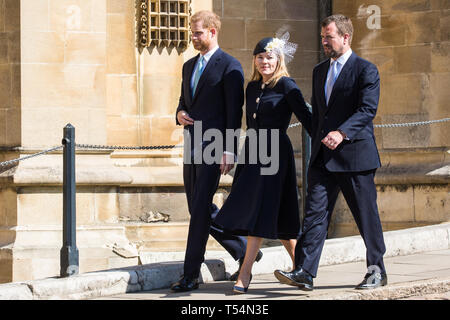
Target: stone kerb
<point>15,291</point>
<point>392,292</point>
<point>398,243</point>
<point>108,283</point>
<point>410,241</point>
<point>161,275</point>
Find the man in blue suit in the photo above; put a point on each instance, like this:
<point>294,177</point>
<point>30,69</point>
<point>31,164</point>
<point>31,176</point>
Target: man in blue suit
<point>211,97</point>
<point>344,156</point>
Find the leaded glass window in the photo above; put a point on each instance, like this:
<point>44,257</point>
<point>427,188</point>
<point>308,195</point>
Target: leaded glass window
<point>164,23</point>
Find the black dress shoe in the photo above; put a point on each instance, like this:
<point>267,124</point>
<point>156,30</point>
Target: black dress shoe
<point>235,275</point>
<point>299,278</point>
<point>185,284</point>
<point>372,281</point>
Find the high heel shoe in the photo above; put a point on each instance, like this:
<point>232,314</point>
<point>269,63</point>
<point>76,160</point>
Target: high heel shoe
<point>242,290</point>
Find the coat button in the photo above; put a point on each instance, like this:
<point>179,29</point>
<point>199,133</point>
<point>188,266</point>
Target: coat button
<point>254,116</point>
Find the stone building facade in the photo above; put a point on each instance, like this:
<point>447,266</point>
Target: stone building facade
<point>81,62</point>
<point>409,43</point>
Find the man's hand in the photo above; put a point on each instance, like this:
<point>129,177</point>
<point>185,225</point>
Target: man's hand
<point>184,119</point>
<point>227,163</point>
<point>333,140</point>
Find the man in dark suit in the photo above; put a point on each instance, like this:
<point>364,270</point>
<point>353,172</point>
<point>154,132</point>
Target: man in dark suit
<point>212,96</point>
<point>344,156</point>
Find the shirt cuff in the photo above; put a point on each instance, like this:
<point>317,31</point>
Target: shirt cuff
<point>343,134</point>
<point>227,153</point>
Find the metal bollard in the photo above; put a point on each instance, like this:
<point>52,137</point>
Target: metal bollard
<point>69,252</point>
<point>306,155</point>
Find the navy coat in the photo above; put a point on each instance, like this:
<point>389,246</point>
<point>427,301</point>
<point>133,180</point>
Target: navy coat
<point>218,98</point>
<point>217,103</point>
<point>267,205</point>
<point>352,111</point>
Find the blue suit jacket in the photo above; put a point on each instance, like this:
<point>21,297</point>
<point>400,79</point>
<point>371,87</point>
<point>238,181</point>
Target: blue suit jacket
<point>352,107</point>
<point>218,98</point>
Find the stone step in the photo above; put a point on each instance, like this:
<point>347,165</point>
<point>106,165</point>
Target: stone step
<point>156,231</point>
<point>178,245</point>
<point>170,236</point>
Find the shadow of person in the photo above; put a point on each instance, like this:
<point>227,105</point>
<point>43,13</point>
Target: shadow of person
<point>335,287</point>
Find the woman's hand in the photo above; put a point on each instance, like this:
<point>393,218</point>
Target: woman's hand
<point>227,163</point>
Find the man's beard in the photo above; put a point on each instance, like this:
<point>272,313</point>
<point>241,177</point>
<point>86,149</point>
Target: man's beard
<point>331,53</point>
<point>200,46</point>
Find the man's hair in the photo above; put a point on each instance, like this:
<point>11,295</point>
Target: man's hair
<point>343,24</point>
<point>209,19</point>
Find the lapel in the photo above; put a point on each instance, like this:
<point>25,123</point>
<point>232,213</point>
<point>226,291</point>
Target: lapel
<point>346,70</point>
<point>208,70</point>
<point>322,78</point>
<point>187,82</point>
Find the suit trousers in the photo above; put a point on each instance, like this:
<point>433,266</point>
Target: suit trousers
<point>201,182</point>
<point>359,191</point>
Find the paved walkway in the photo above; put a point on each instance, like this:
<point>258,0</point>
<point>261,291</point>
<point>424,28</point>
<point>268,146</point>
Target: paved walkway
<point>417,262</point>
<point>418,276</point>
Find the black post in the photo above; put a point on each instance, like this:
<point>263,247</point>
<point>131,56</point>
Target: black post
<point>69,251</point>
<point>325,8</point>
<point>306,155</point>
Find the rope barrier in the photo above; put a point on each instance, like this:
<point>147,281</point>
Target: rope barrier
<point>410,124</point>
<point>9,162</point>
<point>105,147</point>
<point>93,146</point>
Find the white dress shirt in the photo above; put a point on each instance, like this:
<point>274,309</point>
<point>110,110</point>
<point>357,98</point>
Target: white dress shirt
<point>341,61</point>
<point>206,58</point>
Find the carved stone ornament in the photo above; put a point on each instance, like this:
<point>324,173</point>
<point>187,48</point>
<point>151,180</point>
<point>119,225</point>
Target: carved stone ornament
<point>163,23</point>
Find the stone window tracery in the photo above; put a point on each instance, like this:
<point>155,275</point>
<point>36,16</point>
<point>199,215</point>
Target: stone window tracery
<point>164,23</point>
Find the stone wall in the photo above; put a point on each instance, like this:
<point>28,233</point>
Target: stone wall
<point>10,69</point>
<point>244,23</point>
<point>76,61</point>
<point>408,40</point>
<point>411,49</point>
<point>63,68</point>
<point>122,111</point>
<point>142,88</point>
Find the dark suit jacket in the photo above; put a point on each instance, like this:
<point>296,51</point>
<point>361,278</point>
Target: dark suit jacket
<point>219,96</point>
<point>352,107</point>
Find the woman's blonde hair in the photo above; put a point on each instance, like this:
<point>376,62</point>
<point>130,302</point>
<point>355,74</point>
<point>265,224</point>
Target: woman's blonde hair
<point>280,71</point>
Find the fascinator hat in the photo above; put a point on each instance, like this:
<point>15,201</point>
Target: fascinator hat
<point>280,45</point>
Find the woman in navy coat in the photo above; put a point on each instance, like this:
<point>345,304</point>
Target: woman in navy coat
<point>263,201</point>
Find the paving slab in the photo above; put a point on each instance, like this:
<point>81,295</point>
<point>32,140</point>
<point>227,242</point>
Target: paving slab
<point>407,276</point>
<point>417,262</point>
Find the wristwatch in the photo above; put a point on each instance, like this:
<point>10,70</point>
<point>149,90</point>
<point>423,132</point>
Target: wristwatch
<point>343,134</point>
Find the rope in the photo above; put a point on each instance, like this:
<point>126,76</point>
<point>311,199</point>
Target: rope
<point>9,162</point>
<point>397,125</point>
<point>410,124</point>
<point>90,146</point>
<point>95,146</point>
